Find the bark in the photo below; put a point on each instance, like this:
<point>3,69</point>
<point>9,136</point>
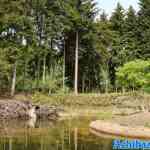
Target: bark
<point>13,86</point>
<point>76,64</point>
<point>64,67</point>
<point>106,87</point>
<point>44,68</point>
<point>38,74</point>
<point>83,83</point>
<point>24,75</point>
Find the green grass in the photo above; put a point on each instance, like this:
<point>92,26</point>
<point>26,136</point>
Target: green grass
<point>147,124</point>
<point>86,99</point>
<point>105,115</point>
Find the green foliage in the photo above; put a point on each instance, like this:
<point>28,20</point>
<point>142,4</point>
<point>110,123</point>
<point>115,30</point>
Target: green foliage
<point>54,80</point>
<point>4,71</point>
<point>117,19</point>
<point>134,74</point>
<point>143,30</point>
<point>146,89</point>
<point>37,35</point>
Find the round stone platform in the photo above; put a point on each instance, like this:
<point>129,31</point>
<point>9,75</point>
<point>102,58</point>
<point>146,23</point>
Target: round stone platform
<point>109,128</point>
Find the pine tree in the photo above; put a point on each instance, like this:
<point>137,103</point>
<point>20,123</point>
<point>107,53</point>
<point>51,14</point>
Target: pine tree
<point>103,16</point>
<point>117,21</point>
<point>15,25</point>
<point>129,51</point>
<point>80,15</point>
<point>143,30</point>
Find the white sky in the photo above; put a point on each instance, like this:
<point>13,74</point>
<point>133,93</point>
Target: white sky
<point>109,5</point>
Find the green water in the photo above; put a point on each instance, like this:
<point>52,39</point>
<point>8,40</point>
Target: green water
<point>68,134</point>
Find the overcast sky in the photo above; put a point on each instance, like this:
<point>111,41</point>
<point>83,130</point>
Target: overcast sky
<point>109,5</point>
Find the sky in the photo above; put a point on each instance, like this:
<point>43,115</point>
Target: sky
<point>109,5</point>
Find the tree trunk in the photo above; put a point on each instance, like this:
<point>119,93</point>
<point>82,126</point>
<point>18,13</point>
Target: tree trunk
<point>106,86</point>
<point>83,83</point>
<point>64,67</point>
<point>44,68</point>
<point>13,86</point>
<point>38,74</point>
<point>123,90</point>
<point>24,75</point>
<point>89,88</point>
<point>76,64</point>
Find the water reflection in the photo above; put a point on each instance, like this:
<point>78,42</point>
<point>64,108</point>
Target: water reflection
<point>70,134</point>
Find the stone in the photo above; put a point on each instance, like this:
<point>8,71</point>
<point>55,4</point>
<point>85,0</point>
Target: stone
<point>12,109</point>
<point>47,112</point>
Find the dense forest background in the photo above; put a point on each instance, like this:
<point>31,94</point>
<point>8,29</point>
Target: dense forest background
<point>61,46</point>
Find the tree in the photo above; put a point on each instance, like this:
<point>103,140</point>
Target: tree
<point>117,21</point>
<point>47,45</point>
<point>129,38</point>
<point>103,43</point>
<point>103,16</point>
<point>143,35</point>
<point>15,25</point>
<point>4,72</point>
<point>80,14</point>
<point>11,19</point>
<point>134,74</point>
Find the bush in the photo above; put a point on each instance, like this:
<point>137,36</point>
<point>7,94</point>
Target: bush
<point>134,74</point>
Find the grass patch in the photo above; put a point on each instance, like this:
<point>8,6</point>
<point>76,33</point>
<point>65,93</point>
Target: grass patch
<point>147,124</point>
<point>88,99</point>
<point>105,115</point>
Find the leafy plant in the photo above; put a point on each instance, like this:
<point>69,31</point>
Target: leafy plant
<point>134,74</point>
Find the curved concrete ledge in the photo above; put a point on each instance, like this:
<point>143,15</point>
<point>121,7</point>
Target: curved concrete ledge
<point>108,128</point>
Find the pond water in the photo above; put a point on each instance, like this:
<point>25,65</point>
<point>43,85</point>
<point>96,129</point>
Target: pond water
<point>68,134</point>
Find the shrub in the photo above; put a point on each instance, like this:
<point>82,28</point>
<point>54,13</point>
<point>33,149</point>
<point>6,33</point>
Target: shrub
<point>134,74</point>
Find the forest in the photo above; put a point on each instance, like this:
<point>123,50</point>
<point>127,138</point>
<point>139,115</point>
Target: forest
<point>63,46</point>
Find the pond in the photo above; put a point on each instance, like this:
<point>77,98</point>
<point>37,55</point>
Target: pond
<point>68,134</point>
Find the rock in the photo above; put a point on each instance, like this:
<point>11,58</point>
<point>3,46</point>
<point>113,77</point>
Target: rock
<point>12,109</point>
<point>47,112</point>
